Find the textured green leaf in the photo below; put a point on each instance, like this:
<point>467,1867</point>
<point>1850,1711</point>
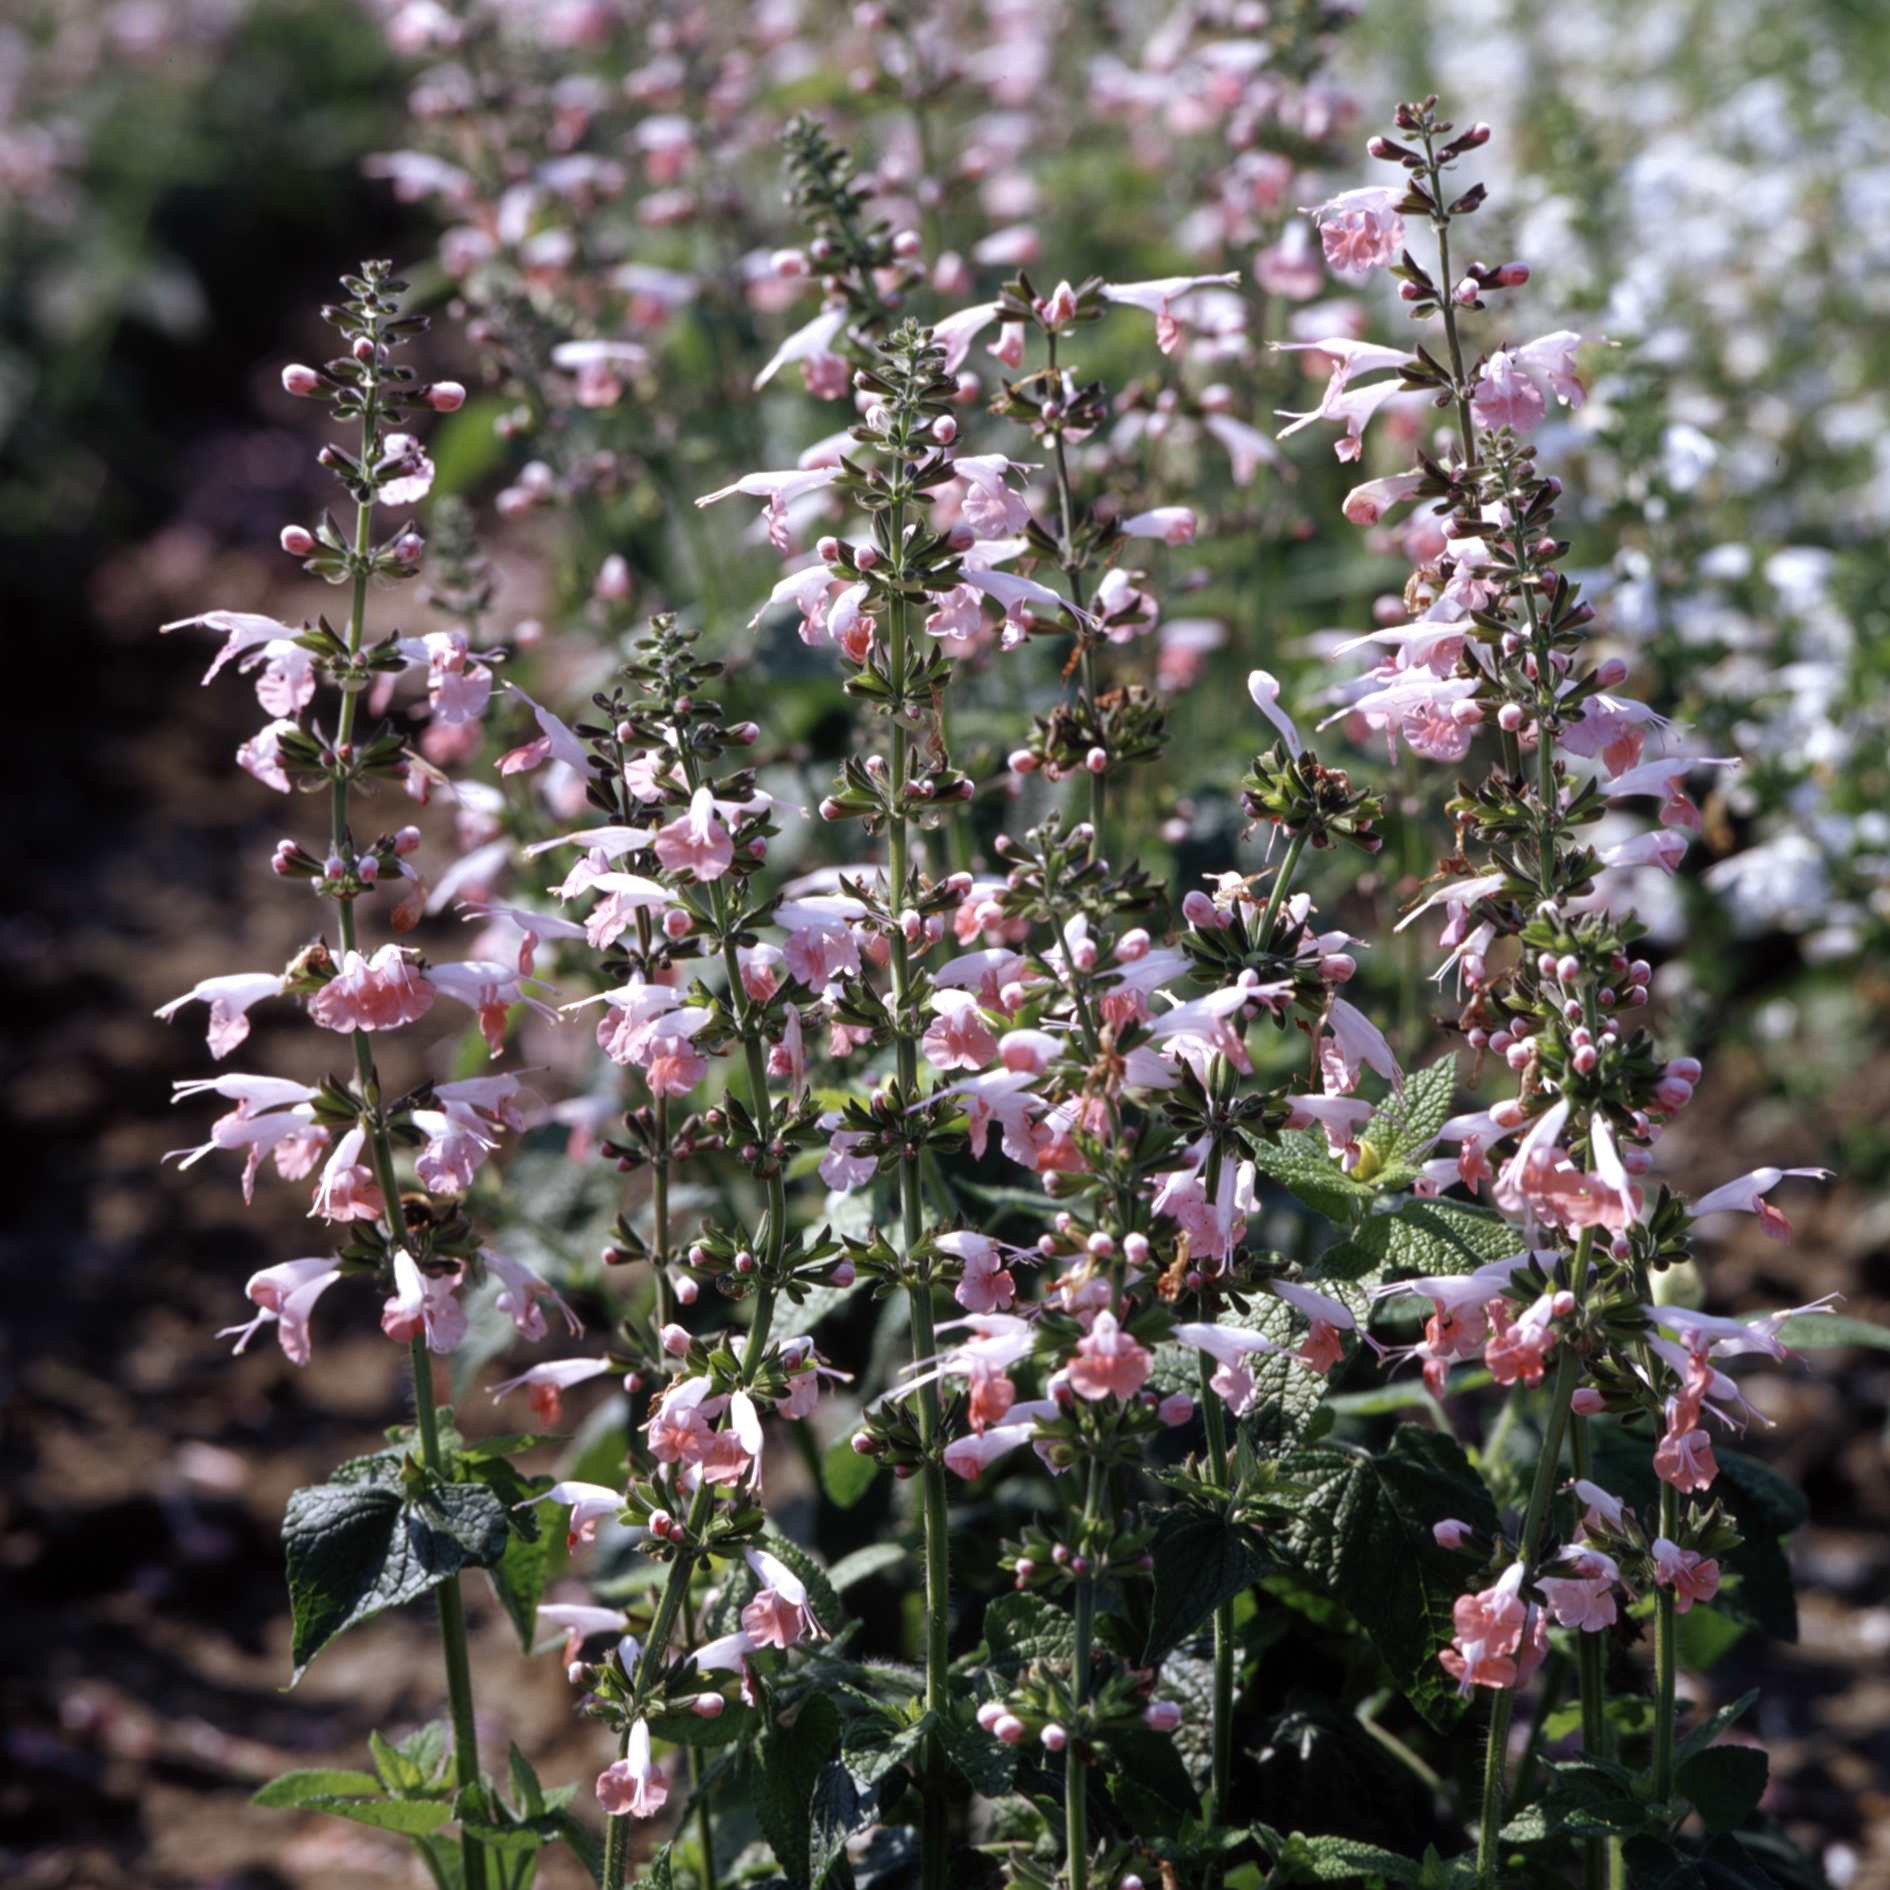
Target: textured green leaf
<point>1421,1239</point>
<point>1723,1784</point>
<point>1710,1728</point>
<point>1341,1860</point>
<point>788,1764</point>
<point>1410,1119</point>
<point>298,1788</point>
<point>878,1741</point>
<point>1151,1760</point>
<point>404,1773</point>
<point>1201,1560</point>
<point>1021,1628</point>
<point>518,1581</point>
<point>1652,1865</point>
<point>988,1765</point>
<point>581,1842</point>
<point>411,1817</point>
<point>355,1548</point>
<point>1364,1529</point>
<point>1286,1395</point>
<point>836,1812</point>
<point>845,1475</point>
<point>1299,1162</point>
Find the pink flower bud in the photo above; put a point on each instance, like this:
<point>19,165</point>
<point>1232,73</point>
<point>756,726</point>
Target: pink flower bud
<point>677,923</point>
<point>1101,1246</point>
<point>1096,760</point>
<point>297,379</point>
<point>960,538</point>
<point>1587,1402</point>
<point>1162,1716</point>
<point>674,1340</point>
<point>1177,1408</point>
<point>830,809</point>
<point>1054,1737</point>
<point>334,867</point>
<point>1008,1728</point>
<point>445,397</point>
<point>788,263</point>
<point>1135,1250</point>
<point>1466,292</point>
<point>907,245</point>
<point>867,558</point>
<point>1450,1533</point>
<point>408,547</point>
<point>686,1290</point>
<point>1510,275</point>
<point>1585,1059</point>
<point>844,1273</point>
<point>945,429</point>
<point>862,1444</point>
<point>367,869</point>
<point>1083,957</point>
<point>1022,761</point>
<point>1685,1069</point>
<point>297,540</point>
<point>406,841</point>
<point>708,1705</point>
<point>613,578</point>
<point>990,1713</point>
<point>1510,717</point>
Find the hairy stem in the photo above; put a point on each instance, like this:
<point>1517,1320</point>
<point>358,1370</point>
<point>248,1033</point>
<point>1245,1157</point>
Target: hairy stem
<point>1666,1655</point>
<point>1075,1769</point>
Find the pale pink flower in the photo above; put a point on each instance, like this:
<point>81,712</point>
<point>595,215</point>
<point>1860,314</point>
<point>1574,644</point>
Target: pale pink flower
<point>458,1141</point>
<point>404,472</point>
<point>522,1289</point>
<point>1367,504</point>
<point>1353,1043</point>
<point>229,998</point>
<point>546,1384</point>
<point>284,1296</point>
<point>987,1285</point>
<point>261,755</point>
<point>1247,448</point>
<point>634,1785</point>
<point>1321,1349</point>
<point>960,614</point>
<point>1666,778</point>
<point>842,1168</point>
<point>696,842</point>
<point>1506,396</point>
<point>960,1039</point>
<point>991,508</point>
<point>348,1189</point>
<point>423,1305</point>
<point>1158,299</point>
<point>1172,524</point>
<point>1264,688</point>
<point>1691,1577</point>
<point>490,989</point>
<point>780,489</point>
<point>1684,1456</point>
<point>956,333</point>
<point>780,1615</point>
<point>589,1504</point>
<point>378,993</point>
<point>1361,230</point>
<point>1747,1196</point>
<point>811,346</point>
<point>1232,1348</point>
<point>556,742</point>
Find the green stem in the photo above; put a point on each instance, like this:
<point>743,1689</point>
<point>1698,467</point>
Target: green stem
<point>1075,1769</point>
<point>452,1623</point>
<point>1223,1731</point>
<point>1666,1656</point>
<point>1592,1679</point>
<point>1072,570</point>
<point>617,1843</point>
<point>1276,897</point>
<point>1495,1763</point>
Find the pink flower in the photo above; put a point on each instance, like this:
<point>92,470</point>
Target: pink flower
<point>633,1784</point>
<point>696,842</point>
<point>841,1168</point>
<point>522,1290</point>
<point>1507,397</point>
<point>991,508</point>
<point>284,1296</point>
<point>589,1504</point>
<point>378,993</point>
<point>1685,1458</point>
<point>960,1039</point>
<point>1451,1533</point>
<point>1321,1349</point>
<point>1747,1195</point>
<point>556,742</point>
<point>780,489</point>
<point>1264,688</point>
<point>780,1614</point>
<point>1353,1043</point>
<point>490,989</point>
<point>986,1285</point>
<point>1234,1380</point>
<point>423,1306</point>
<point>1685,1572</point>
<point>546,1384</point>
<point>1172,524</point>
<point>348,1190</point>
<point>1367,504</point>
<point>229,998</point>
<point>1360,229</point>
<point>261,755</point>
<point>1158,297</point>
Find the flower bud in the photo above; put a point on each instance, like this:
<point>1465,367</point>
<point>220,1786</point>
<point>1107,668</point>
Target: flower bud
<point>945,429</point>
<point>367,869</point>
<point>1162,1716</point>
<point>674,1340</point>
<point>844,1273</point>
<point>1177,1408</point>
<point>990,1713</point>
<point>677,923</point>
<point>408,547</point>
<point>661,1523</point>
<point>334,867</point>
<point>908,245</point>
<point>1008,1728</point>
<point>1510,717</point>
<point>708,1705</point>
<point>1096,760</point>
<point>862,1444</point>
<point>1022,761</point>
<point>445,397</point>
<point>300,380</point>
<point>828,549</point>
<point>297,540</point>
<point>1587,1402</point>
<point>1054,1737</point>
<point>1509,275</point>
<point>1451,1533</point>
<point>1135,1250</point>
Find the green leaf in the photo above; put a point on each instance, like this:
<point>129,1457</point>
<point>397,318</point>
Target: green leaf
<point>1364,1528</point>
<point>411,1817</point>
<point>878,1741</point>
<point>836,1812</point>
<point>1151,1761</point>
<point>1722,1864</point>
<point>845,1475</point>
<point>1769,1501</point>
<point>863,1564</point>
<point>490,1449</point>
<point>1286,1395</point>
<point>1422,1239</point>
<point>1410,1119</point>
<point>788,1763</point>
<point>405,1774</point>
<point>1201,1560</point>
<point>1341,1860</point>
<point>355,1548</point>
<point>1823,1328</point>
<point>518,1581</point>
<point>657,1874</point>
<point>1724,1784</point>
<point>428,1747</point>
<point>290,1789</point>
<point>579,1840</point>
<point>1710,1728</point>
<point>1298,1161</point>
<point>987,1764</point>
<point>1705,1636</point>
<point>1021,1628</point>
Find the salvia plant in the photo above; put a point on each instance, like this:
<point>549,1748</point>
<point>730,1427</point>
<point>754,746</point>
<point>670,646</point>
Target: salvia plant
<point>1174,1333</point>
